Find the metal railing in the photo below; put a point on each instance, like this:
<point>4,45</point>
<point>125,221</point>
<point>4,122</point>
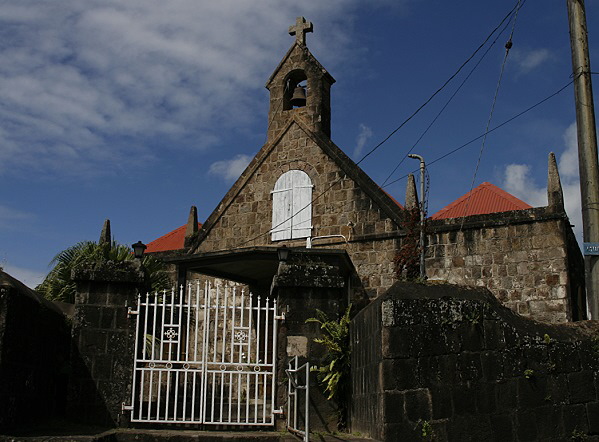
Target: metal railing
<point>293,387</point>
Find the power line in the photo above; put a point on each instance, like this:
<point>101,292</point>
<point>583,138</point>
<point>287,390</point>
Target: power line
<point>509,120</point>
<point>401,125</point>
<point>508,46</point>
<point>444,84</point>
<point>447,103</point>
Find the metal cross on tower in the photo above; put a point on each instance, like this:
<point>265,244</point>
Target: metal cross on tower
<point>300,29</point>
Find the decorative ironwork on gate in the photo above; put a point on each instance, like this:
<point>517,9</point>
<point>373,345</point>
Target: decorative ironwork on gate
<point>205,355</point>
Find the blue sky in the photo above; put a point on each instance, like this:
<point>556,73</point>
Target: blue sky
<point>135,110</point>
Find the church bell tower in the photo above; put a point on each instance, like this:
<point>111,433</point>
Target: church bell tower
<point>300,86</point>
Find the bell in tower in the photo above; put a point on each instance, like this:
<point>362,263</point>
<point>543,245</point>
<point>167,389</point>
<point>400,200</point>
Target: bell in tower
<point>298,99</point>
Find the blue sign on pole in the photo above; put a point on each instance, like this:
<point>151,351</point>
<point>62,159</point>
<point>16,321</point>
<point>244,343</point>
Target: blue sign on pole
<point>591,248</point>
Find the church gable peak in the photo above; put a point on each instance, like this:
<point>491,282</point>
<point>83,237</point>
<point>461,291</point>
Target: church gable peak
<point>300,85</point>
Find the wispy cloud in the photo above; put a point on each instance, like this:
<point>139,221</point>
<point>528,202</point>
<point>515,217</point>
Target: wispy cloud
<point>529,59</point>
<point>230,170</point>
<point>10,218</point>
<point>31,278</point>
<point>89,85</point>
<point>518,181</point>
<point>362,138</point>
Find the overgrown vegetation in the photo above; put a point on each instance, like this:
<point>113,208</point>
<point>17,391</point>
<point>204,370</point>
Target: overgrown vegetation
<point>407,260</point>
<point>59,286</point>
<point>334,375</point>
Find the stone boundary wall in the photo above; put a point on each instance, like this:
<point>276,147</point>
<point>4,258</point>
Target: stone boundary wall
<point>34,354</point>
<point>524,258</point>
<point>448,363</point>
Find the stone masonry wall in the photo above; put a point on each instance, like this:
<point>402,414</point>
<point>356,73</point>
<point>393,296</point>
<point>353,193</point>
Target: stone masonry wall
<point>248,218</point>
<point>524,264</point>
<point>34,354</point>
<point>445,363</point>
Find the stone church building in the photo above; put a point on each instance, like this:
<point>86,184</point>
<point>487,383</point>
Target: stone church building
<point>301,191</point>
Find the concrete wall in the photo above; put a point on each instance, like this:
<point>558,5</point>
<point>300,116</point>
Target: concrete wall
<point>451,364</point>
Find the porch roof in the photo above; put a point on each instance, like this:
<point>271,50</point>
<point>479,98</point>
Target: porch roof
<point>254,265</point>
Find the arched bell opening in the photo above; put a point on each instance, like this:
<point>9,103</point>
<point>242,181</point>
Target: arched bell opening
<point>296,90</point>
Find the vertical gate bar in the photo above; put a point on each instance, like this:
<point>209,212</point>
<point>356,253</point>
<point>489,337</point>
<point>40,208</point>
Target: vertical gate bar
<point>187,338</point>
<point>178,350</point>
<point>264,389</point>
<point>214,358</point>
<point>162,324</point>
<point>172,306</point>
<point>222,355</point>
<point>259,307</point>
<point>144,354</point>
<point>266,330</point>
<point>295,394</point>
<point>307,411</point>
<point>257,360</point>
<point>195,345</point>
<point>136,354</point>
<point>232,351</point>
<point>247,397</point>
<point>159,392</point>
<point>274,357</point>
<point>205,330</point>
<point>248,391</point>
<point>155,314</point>
<point>144,351</point>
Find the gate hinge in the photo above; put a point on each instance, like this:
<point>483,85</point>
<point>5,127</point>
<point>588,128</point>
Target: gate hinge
<point>125,407</point>
<point>280,317</point>
<point>278,411</point>
<point>130,312</point>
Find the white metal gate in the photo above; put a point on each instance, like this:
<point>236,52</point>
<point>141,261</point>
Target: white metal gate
<point>205,358</point>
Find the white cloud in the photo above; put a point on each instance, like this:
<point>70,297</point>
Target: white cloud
<point>362,138</point>
<point>31,278</point>
<point>10,218</point>
<point>89,85</point>
<point>529,59</point>
<point>230,169</point>
<point>518,181</point>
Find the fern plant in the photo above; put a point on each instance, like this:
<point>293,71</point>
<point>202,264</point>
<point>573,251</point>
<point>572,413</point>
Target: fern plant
<point>334,375</point>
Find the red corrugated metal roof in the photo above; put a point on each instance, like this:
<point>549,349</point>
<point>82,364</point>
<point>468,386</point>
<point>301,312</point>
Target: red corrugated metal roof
<point>486,198</point>
<point>171,241</point>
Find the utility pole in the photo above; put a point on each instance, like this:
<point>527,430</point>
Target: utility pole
<point>422,249</point>
<point>587,146</point>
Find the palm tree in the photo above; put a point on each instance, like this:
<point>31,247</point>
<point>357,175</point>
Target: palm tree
<point>59,286</point>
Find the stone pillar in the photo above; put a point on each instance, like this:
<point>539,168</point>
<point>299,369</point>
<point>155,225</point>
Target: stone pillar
<point>304,284</point>
<point>103,342</point>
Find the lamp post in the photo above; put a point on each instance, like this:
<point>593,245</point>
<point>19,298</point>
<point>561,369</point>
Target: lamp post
<point>139,249</point>
<point>422,165</point>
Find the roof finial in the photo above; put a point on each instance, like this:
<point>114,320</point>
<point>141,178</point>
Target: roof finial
<point>411,195</point>
<point>555,195</point>
<point>105,235</point>
<point>192,226</point>
<point>300,29</point>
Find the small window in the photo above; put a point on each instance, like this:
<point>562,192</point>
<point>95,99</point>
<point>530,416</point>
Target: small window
<point>292,206</point>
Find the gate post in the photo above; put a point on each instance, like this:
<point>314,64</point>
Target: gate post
<point>103,342</point>
<point>307,281</point>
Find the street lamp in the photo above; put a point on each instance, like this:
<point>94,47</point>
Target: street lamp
<point>138,249</point>
<point>422,251</point>
<point>283,253</point>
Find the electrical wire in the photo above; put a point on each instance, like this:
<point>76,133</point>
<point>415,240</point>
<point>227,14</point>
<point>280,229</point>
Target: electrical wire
<point>520,3</point>
<point>509,120</point>
<point>447,103</point>
<point>444,84</point>
<point>508,46</point>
